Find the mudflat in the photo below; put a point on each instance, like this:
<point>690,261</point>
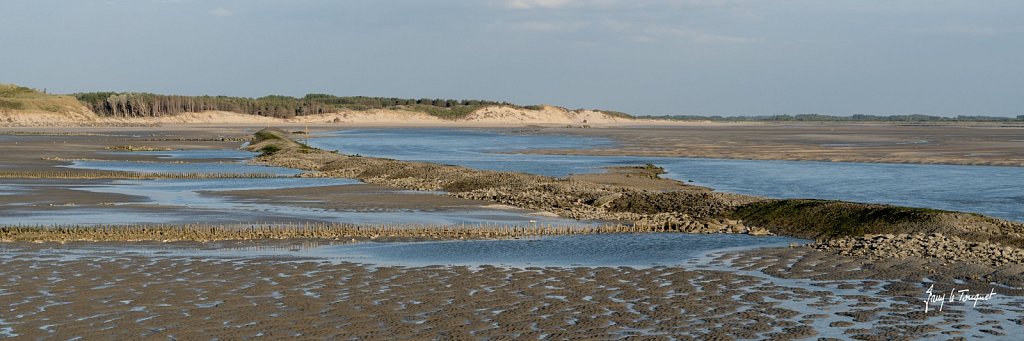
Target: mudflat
<point>40,153</point>
<point>44,149</point>
<point>352,198</point>
<point>156,290</point>
<point>961,144</point>
<point>100,291</point>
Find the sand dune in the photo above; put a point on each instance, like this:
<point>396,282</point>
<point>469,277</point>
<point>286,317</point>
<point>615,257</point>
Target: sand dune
<point>493,115</point>
<point>40,118</point>
<point>549,115</point>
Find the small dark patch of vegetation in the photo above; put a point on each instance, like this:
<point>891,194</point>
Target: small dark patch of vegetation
<point>654,168</point>
<point>5,104</point>
<point>15,91</point>
<point>617,114</point>
<point>264,135</point>
<point>448,113</point>
<point>269,150</point>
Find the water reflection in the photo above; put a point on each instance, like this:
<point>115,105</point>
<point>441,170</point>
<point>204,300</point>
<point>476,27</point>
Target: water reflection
<point>633,250</point>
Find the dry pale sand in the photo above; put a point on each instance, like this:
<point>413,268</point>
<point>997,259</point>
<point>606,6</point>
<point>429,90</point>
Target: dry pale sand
<point>967,144</point>
<point>487,116</point>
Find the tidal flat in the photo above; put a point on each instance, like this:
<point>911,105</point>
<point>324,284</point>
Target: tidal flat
<point>993,144</point>
<point>314,288</point>
<point>96,291</point>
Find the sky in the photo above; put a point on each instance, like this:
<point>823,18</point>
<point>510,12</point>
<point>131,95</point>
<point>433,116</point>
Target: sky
<point>645,57</point>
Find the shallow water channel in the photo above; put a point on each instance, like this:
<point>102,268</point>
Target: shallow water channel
<point>178,201</point>
<point>995,191</point>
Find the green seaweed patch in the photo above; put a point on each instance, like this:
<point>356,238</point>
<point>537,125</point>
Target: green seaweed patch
<point>824,219</point>
<point>266,134</point>
<point>269,150</point>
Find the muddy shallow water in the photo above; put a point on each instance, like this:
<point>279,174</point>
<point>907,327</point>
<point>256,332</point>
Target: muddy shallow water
<point>600,250</point>
<point>183,201</point>
<point>190,167</point>
<point>634,250</point>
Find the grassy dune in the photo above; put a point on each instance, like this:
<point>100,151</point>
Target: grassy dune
<point>114,107</point>
<point>13,97</point>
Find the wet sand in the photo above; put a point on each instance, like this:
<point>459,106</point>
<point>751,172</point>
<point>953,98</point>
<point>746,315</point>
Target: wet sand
<point>52,293</point>
<point>47,192</point>
<point>361,197</point>
<point>55,291</point>
<point>963,144</point>
<point>639,177</point>
<point>45,150</point>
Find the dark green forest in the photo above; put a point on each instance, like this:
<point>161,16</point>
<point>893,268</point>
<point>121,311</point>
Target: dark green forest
<point>152,105</point>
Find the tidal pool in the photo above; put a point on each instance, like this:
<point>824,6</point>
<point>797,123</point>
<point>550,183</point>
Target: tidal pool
<point>193,154</point>
<point>632,250</point>
<point>183,201</point>
<point>189,167</point>
<point>642,250</point>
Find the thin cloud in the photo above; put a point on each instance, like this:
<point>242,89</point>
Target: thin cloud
<point>963,30</point>
<point>220,12</point>
<point>612,4</point>
<point>636,32</point>
<point>698,36</point>
<point>531,4</point>
<point>547,26</point>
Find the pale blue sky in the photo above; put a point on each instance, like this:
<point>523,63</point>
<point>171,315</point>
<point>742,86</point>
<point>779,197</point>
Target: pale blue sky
<point>716,57</point>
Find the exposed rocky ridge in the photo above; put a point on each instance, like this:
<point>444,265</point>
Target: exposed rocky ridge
<point>839,226</point>
<point>936,245</point>
<point>700,212</point>
<point>826,219</point>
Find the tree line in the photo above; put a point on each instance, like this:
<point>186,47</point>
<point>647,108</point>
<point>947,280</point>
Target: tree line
<point>126,104</point>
